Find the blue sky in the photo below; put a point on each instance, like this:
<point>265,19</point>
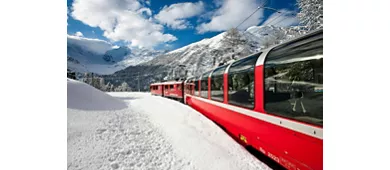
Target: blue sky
<point>169,24</point>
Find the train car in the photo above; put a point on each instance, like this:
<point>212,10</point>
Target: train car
<point>156,89</point>
<point>271,101</point>
<point>169,89</point>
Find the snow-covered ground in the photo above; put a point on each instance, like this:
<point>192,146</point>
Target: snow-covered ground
<point>140,131</point>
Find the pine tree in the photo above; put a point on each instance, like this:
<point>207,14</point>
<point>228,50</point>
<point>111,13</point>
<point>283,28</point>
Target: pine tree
<point>311,14</point>
<point>124,87</point>
<point>102,85</point>
<point>112,87</point>
<point>232,40</point>
<point>235,46</point>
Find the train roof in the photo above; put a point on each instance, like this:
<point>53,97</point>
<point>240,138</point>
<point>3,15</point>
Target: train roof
<point>166,83</point>
<point>309,34</point>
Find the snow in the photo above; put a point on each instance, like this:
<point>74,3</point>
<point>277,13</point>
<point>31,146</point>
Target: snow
<point>213,42</point>
<point>109,61</point>
<point>94,45</point>
<point>140,131</point>
<point>104,69</point>
<point>85,97</point>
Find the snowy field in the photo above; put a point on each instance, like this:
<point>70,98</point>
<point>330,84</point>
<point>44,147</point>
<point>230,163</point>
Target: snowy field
<point>138,131</point>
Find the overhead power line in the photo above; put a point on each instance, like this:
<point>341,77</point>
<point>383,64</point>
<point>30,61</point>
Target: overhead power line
<point>281,20</point>
<point>280,14</point>
<point>248,16</point>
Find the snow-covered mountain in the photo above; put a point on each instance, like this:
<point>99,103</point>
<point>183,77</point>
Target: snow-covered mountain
<point>138,56</point>
<point>204,55</point>
<point>117,54</point>
<point>97,56</point>
<point>199,57</point>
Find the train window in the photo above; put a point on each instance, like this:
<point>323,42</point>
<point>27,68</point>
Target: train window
<point>196,82</point>
<point>204,85</point>
<point>171,87</point>
<point>241,82</point>
<point>191,86</point>
<point>166,87</point>
<point>217,84</point>
<point>293,80</point>
<point>187,86</point>
<point>178,87</point>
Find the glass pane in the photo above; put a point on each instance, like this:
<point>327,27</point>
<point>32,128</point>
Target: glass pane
<point>196,87</point>
<point>241,89</point>
<point>204,85</point>
<point>293,81</point>
<point>217,88</point>
<point>219,71</point>
<point>244,64</point>
<point>241,82</point>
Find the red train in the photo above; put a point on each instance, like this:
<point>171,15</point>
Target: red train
<point>170,89</point>
<point>271,100</point>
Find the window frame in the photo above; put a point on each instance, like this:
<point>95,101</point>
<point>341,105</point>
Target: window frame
<point>224,67</point>
<point>178,86</point>
<point>207,76</point>
<point>190,88</point>
<point>303,40</point>
<point>256,57</point>
<point>196,84</point>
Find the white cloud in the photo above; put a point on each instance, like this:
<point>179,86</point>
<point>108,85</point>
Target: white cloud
<point>79,34</point>
<point>284,19</point>
<point>67,16</point>
<point>230,14</point>
<point>147,10</point>
<point>121,20</point>
<point>218,3</point>
<point>95,45</point>
<point>174,16</point>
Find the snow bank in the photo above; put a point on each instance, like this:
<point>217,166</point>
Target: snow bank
<point>85,97</point>
<point>192,136</point>
<point>152,133</point>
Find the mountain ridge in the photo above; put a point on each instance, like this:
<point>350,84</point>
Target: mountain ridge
<point>204,55</point>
